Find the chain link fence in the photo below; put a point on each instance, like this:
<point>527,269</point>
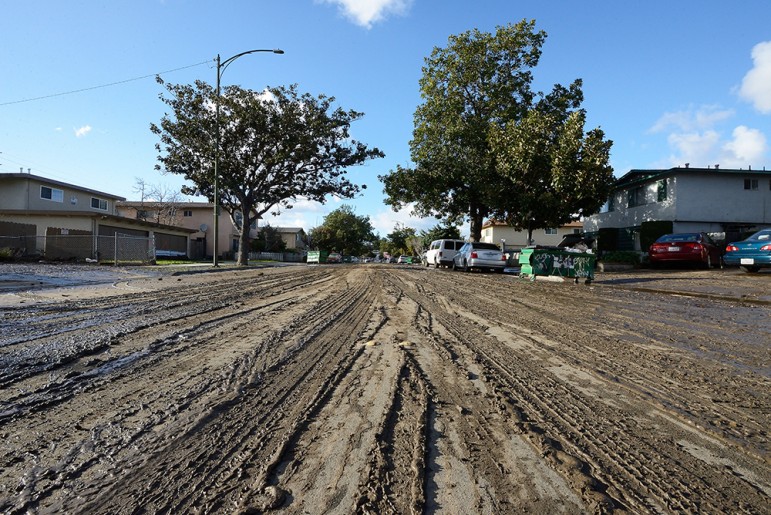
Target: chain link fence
<point>116,249</point>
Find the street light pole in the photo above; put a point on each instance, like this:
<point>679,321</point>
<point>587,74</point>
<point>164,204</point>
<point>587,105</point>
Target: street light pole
<point>221,68</point>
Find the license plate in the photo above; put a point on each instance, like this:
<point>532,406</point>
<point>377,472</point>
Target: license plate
<point>674,249</point>
<point>747,261</point>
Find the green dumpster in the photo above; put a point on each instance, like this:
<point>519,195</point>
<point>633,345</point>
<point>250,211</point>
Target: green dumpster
<point>555,261</point>
<point>317,256</point>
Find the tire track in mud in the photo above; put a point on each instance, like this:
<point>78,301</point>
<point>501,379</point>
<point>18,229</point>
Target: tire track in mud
<point>607,462</point>
<point>91,327</point>
<point>103,377</point>
<point>250,431</point>
<point>381,390</point>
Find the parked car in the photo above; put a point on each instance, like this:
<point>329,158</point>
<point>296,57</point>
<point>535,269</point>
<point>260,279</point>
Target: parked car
<point>442,252</point>
<point>334,257</point>
<point>404,260</point>
<point>691,247</point>
<point>479,255</point>
<point>751,254</point>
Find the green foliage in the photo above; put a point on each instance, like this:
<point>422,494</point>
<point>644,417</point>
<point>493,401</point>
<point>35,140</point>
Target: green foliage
<point>268,240</point>
<point>652,230</point>
<point>553,173</point>
<point>275,147</point>
<point>400,241</point>
<point>344,231</point>
<point>479,80</point>
<point>476,92</point>
<point>440,232</point>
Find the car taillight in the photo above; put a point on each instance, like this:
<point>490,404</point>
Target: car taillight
<point>732,248</point>
<point>767,248</point>
<point>474,255</point>
<point>503,257</point>
<point>693,247</point>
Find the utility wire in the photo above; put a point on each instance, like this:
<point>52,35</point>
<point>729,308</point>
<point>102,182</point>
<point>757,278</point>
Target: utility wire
<point>102,86</point>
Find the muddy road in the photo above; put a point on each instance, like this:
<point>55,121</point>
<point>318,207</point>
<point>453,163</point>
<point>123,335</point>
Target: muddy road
<point>388,389</point>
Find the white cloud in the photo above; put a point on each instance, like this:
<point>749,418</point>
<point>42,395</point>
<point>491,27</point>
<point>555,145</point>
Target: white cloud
<point>748,146</point>
<point>367,12</point>
<point>756,85</point>
<point>692,119</point>
<point>695,136</point>
<point>693,147</point>
<point>81,132</point>
<point>386,220</point>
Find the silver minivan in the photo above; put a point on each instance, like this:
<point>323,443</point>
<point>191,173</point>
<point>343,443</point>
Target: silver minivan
<point>441,252</point>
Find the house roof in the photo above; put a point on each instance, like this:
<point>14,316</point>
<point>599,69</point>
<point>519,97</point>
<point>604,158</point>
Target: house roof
<point>29,176</point>
<point>101,216</point>
<point>179,205</point>
<point>495,223</point>
<point>639,176</point>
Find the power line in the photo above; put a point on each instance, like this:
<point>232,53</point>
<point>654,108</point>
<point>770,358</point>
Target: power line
<point>102,86</point>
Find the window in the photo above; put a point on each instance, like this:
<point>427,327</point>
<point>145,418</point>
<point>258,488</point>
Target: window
<point>750,184</point>
<point>635,197</point>
<point>98,203</point>
<point>187,212</point>
<point>51,194</point>
<point>662,190</point>
<point>550,231</point>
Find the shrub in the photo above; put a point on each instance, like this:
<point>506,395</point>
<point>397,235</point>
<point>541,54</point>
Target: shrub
<point>621,256</point>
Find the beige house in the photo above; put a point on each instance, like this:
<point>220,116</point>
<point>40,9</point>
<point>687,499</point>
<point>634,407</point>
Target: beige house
<point>195,216</point>
<point>293,237</point>
<point>64,221</point>
<point>494,232</point>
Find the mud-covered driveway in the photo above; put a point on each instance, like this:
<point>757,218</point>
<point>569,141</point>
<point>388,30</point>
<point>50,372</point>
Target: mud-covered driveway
<point>387,389</point>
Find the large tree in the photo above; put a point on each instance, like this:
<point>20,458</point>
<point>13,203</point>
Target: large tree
<point>440,232</point>
<point>276,147</point>
<point>479,82</point>
<point>344,231</point>
<point>553,172</point>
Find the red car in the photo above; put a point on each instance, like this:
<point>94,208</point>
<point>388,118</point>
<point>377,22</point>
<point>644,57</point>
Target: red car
<point>691,247</point>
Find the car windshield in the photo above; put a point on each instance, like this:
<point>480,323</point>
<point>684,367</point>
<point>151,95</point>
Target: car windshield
<point>484,246</point>
<point>679,237</point>
<point>764,235</point>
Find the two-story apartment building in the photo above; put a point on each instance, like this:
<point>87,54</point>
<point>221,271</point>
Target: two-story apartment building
<point>44,213</point>
<point>722,202</point>
<point>196,216</point>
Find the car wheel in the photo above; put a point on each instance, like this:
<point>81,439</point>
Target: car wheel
<point>749,269</point>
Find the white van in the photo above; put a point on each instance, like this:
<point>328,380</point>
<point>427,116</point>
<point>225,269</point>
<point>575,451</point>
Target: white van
<point>441,252</point>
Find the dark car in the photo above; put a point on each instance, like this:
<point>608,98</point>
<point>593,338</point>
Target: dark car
<point>689,247</point>
<point>751,254</point>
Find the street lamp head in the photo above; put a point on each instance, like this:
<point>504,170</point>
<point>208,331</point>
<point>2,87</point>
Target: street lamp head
<point>278,51</point>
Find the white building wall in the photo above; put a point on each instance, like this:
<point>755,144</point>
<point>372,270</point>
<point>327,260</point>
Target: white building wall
<point>723,199</point>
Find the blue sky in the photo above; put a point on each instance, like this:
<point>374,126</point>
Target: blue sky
<point>669,81</point>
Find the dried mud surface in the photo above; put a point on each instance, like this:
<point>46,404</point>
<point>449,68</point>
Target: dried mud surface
<point>387,389</point>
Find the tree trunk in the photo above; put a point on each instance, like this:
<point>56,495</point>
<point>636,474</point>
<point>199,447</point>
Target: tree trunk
<point>476,219</point>
<point>243,239</point>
